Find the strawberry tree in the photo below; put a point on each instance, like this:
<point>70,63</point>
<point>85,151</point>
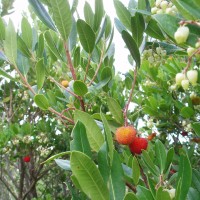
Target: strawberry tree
<point>124,136</point>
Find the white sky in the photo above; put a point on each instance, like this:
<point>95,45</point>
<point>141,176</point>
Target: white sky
<point>121,60</point>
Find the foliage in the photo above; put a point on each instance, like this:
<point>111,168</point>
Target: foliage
<point>43,118</point>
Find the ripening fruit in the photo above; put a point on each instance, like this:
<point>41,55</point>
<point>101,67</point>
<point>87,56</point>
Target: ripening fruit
<point>179,78</point>
<point>181,34</point>
<point>190,51</point>
<point>138,145</point>
<point>26,158</point>
<point>185,84</point>
<point>192,76</point>
<point>164,5</point>
<point>151,136</point>
<point>65,83</point>
<point>125,135</point>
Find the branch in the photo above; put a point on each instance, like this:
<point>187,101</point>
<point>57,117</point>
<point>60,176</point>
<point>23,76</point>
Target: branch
<point>71,67</point>
<point>131,187</point>
<point>8,188</point>
<point>21,181</point>
<point>129,99</point>
<point>98,67</point>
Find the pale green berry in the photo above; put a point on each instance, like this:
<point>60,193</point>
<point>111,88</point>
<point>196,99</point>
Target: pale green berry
<point>164,5</point>
<point>158,50</point>
<point>181,34</point>
<point>173,87</point>
<point>179,78</point>
<point>185,84</point>
<point>151,59</point>
<point>172,193</point>
<point>163,53</point>
<point>154,10</point>
<point>159,11</point>
<point>158,2</point>
<point>190,51</point>
<point>197,45</point>
<point>192,76</point>
<point>174,8</point>
<point>170,11</point>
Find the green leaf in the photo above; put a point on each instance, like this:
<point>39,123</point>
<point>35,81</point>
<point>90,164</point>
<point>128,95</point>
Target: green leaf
<point>115,110</point>
<point>137,27</point>
<point>143,193</point>
<point>2,30</point>
<point>26,32</point>
<point>132,46</point>
<point>169,159</point>
<point>196,179</point>
<point>193,194</point>
<point>40,47</point>
<point>106,73</point>
<point>42,13</point>
<point>56,156</point>
<point>103,163</point>
<point>77,57</point>
<point>23,64</point>
<point>161,155</point>
<point>21,45</point>
<point>196,128</point>
<point>119,26</point>
<point>136,170</point>
<point>74,6</point>
<point>40,73</point>
<point>102,31</point>
<point>80,88</point>
<point>162,194</point>
<point>5,74</point>
<point>80,141</point>
<point>86,35</point>
<point>41,101</point>
<point>108,137</point>
<point>130,196</point>
<point>88,176</point>
<point>88,14</point>
<point>99,12</point>
<point>123,14</point>
<point>149,163</point>
<point>52,45</point>
<point>64,164</point>
<point>187,112</point>
<point>117,183</point>
<point>188,9</point>
<point>73,36</point>
<point>184,177</point>
<point>154,31</point>
<point>62,17</point>
<point>10,44</point>
<point>94,134</point>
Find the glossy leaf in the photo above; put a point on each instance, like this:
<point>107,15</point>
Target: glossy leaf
<point>2,30</point>
<point>184,177</point>
<point>80,141</point>
<point>64,164</point>
<point>98,15</point>
<point>161,155</point>
<point>74,6</point>
<point>80,88</point>
<point>108,137</point>
<point>102,31</point>
<point>103,162</point>
<point>136,170</point>
<point>10,44</point>
<point>52,45</point>
<point>187,112</point>
<point>88,14</point>
<point>21,45</point>
<point>6,75</point>
<point>132,46</point>
<point>40,47</point>
<point>88,176</point>
<point>86,35</point>
<point>143,193</point>
<point>137,27</point>
<point>115,110</point>
<point>77,57</point>
<point>23,64</point>
<point>26,34</point>
<point>123,14</point>
<point>119,26</point>
<point>117,183</point>
<point>154,31</point>
<point>169,159</point>
<point>94,134</point>
<point>196,179</point>
<point>40,73</point>
<point>62,17</point>
<point>130,196</point>
<point>41,101</point>
<point>42,13</point>
<point>73,36</point>
<point>196,127</point>
<point>162,194</point>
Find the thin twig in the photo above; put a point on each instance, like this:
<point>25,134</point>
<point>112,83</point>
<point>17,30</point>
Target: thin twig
<point>98,67</point>
<point>131,187</point>
<point>129,99</point>
<point>71,67</point>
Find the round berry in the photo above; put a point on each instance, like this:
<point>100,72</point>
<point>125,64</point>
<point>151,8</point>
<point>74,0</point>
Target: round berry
<point>181,34</point>
<point>179,78</point>
<point>26,158</point>
<point>192,76</point>
<point>138,145</point>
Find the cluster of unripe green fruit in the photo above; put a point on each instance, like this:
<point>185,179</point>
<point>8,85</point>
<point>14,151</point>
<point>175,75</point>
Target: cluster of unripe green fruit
<point>185,79</point>
<point>155,57</point>
<point>126,135</point>
<point>163,6</point>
